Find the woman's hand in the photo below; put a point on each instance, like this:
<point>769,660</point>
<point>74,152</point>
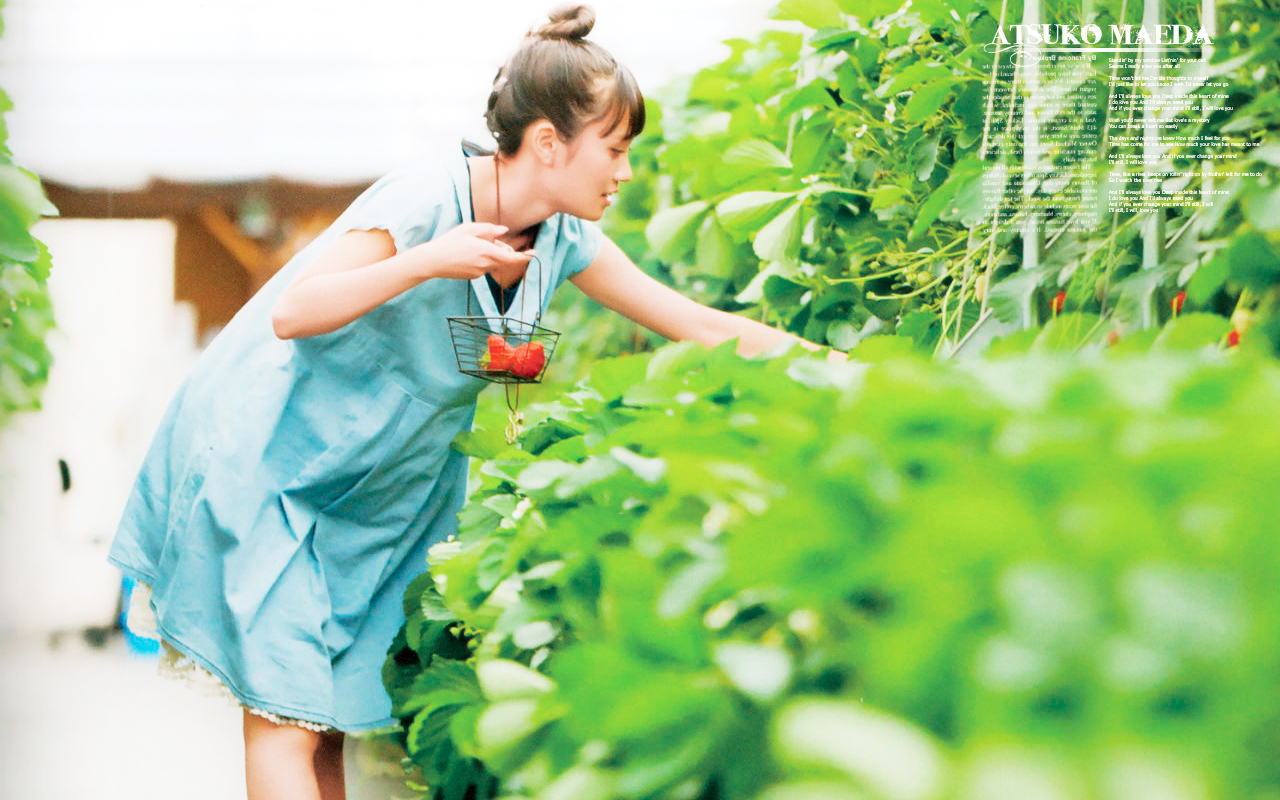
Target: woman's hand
<point>468,251</point>
<point>362,270</point>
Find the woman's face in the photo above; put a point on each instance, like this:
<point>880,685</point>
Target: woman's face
<point>596,163</point>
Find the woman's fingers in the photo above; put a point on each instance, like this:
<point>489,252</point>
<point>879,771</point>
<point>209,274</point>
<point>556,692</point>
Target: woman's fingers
<point>507,256</point>
<point>487,230</point>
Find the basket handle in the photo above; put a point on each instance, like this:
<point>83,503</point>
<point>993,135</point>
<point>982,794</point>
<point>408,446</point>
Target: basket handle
<point>502,300</point>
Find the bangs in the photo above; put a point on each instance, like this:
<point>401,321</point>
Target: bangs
<point>624,105</point>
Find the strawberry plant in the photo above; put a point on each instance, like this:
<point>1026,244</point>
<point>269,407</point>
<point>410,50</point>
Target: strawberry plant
<point>838,181</point>
<point>26,316</point>
<point>708,577</point>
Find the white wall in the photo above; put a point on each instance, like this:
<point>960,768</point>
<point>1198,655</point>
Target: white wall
<point>120,349</point>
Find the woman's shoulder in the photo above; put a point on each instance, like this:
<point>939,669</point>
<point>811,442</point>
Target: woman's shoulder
<point>433,172</point>
<point>413,200</point>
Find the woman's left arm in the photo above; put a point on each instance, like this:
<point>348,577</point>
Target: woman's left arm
<point>615,282</point>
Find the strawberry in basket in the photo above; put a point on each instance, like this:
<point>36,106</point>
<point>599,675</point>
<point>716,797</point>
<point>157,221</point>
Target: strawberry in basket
<point>528,359</point>
<point>498,356</point>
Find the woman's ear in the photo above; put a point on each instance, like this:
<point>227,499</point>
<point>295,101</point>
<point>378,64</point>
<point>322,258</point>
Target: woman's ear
<point>543,139</point>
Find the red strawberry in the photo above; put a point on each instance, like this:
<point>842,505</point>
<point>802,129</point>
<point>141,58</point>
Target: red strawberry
<point>1059,300</point>
<point>1113,337</point>
<point>528,359</point>
<point>498,357</point>
<point>1233,338</point>
<point>1177,302</point>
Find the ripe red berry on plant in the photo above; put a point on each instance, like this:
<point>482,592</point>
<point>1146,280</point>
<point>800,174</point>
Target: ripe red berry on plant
<point>1059,300</point>
<point>1177,302</point>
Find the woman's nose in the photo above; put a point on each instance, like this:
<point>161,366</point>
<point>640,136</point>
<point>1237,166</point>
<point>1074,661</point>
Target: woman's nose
<point>624,174</point>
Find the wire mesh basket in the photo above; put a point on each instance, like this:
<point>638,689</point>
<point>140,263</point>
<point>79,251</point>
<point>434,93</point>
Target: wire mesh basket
<point>502,350</point>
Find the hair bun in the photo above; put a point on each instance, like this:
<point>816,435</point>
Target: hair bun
<point>568,22</point>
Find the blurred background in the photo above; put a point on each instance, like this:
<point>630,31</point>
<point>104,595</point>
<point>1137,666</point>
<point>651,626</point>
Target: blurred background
<point>191,148</point>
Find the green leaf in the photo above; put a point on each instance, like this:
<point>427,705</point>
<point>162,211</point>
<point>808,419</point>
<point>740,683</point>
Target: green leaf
<point>22,196</point>
<point>812,146</point>
<point>16,241</point>
<point>541,474</point>
<point>580,782</point>
<point>811,790</point>
<point>815,14</point>
<point>878,349</point>
<point>501,679</point>
<point>925,156</point>
<point>756,154</point>
<point>533,635</point>
<point>742,213</point>
<point>1208,279</point>
<point>867,10</point>
<point>1137,294</point>
<point>1068,331</point>
<point>671,231</point>
<point>686,588</point>
<point>442,683</point>
<point>1262,208</point>
<point>754,291</point>
<point>1267,152</point>
<point>927,99</point>
<point>612,377</point>
<point>779,240</point>
<point>1254,264</point>
<point>781,292</point>
<point>1010,299</point>
<point>890,756</point>
<point>977,195</point>
<point>426,733</point>
<point>502,728</point>
<point>756,670</point>
<point>715,250</point>
<point>1193,331</point>
<point>941,199</point>
<point>676,758</point>
<point>921,326</point>
<point>912,76</point>
<point>850,83</point>
<point>888,197</point>
<point>833,39</point>
<point>815,94</point>
<point>649,470</point>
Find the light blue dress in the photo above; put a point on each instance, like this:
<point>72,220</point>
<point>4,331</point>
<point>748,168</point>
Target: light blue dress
<point>294,486</point>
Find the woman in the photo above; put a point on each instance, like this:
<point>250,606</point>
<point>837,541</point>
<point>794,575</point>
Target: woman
<point>304,468</point>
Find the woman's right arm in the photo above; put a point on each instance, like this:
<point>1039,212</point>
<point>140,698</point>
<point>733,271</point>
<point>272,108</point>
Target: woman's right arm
<point>362,270</point>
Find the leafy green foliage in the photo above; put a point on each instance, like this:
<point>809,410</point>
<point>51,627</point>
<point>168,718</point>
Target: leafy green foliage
<point>26,316</point>
<point>841,181</point>
<point>708,577</point>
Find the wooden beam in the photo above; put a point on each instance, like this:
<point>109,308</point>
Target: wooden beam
<point>251,256</point>
<point>162,199</point>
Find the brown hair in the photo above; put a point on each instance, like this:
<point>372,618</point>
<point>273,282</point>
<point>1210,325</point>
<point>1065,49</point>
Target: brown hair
<point>557,75</point>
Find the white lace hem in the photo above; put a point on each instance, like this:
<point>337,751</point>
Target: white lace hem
<point>174,665</point>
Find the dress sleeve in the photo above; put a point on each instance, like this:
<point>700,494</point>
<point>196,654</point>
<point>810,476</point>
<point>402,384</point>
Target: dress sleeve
<point>579,242</point>
<point>410,203</point>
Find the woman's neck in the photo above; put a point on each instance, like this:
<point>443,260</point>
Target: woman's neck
<point>522,205</point>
